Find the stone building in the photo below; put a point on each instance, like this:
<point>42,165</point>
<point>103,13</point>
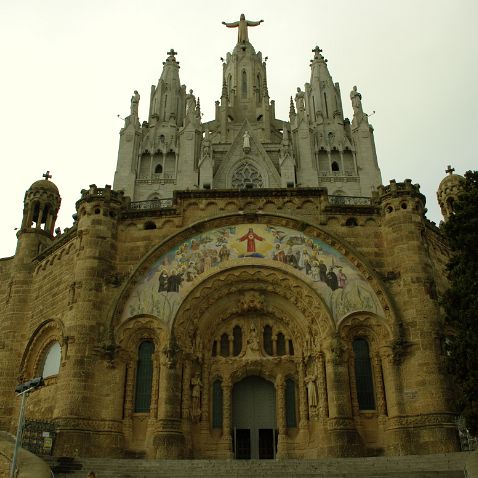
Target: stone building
<point>248,288</point>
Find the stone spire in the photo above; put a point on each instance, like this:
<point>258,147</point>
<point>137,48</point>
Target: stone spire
<point>167,98</point>
<point>244,95</point>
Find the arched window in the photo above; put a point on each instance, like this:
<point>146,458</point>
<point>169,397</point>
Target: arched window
<point>158,169</point>
<point>144,377</point>
<point>267,336</point>
<point>290,415</point>
<point>217,404</point>
<point>52,360</point>
<point>244,83</point>
<point>280,344</point>
<point>335,166</point>
<point>224,345</point>
<point>363,375</point>
<point>237,335</point>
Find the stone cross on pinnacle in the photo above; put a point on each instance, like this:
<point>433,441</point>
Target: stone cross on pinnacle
<point>172,52</point>
<point>450,170</point>
<point>47,175</point>
<point>317,51</point>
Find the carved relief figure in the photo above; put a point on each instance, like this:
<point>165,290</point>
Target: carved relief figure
<point>246,145</point>
<point>196,397</point>
<point>253,340</point>
<point>311,390</point>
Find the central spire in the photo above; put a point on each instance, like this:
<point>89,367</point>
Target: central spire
<point>241,25</point>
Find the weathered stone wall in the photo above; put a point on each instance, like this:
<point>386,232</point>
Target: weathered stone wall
<point>76,288</point>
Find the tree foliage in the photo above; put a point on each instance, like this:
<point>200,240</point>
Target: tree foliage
<point>461,300</point>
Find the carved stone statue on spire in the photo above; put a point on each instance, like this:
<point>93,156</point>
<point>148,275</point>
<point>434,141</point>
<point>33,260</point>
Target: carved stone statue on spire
<point>299,100</point>
<point>356,98</point>
<point>135,103</point>
<point>242,25</point>
<point>190,104</point>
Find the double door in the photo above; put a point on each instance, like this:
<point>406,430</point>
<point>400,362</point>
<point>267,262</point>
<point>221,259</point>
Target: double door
<point>254,418</point>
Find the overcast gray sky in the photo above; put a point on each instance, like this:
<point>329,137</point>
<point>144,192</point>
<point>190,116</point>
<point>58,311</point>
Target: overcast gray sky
<point>69,68</point>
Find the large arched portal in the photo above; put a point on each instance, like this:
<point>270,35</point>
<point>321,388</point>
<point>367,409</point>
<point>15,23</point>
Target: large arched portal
<point>254,418</point>
<point>258,314</point>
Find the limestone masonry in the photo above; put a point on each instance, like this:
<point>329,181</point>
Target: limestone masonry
<point>247,288</point>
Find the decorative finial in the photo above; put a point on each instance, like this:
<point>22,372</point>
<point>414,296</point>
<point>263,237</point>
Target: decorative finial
<point>292,108</point>
<point>172,52</point>
<point>47,175</point>
<point>450,170</point>
<point>317,52</point>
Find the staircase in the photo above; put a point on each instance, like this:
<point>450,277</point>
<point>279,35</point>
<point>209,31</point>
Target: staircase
<point>413,466</point>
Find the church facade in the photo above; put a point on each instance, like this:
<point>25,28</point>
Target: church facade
<point>247,288</point>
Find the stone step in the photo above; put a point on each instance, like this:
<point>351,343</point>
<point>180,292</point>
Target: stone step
<point>421,466</point>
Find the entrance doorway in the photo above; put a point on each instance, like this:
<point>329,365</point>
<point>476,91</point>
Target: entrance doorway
<point>254,418</point>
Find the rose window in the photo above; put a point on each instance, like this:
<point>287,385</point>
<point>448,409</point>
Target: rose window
<point>246,176</point>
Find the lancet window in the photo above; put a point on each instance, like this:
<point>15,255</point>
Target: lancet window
<point>290,405</point>
<point>363,375</point>
<point>229,344</point>
<point>144,377</point>
<point>275,342</point>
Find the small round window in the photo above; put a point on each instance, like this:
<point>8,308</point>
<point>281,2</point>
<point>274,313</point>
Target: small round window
<point>51,364</point>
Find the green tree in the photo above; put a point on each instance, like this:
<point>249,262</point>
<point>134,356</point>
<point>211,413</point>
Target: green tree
<point>461,300</point>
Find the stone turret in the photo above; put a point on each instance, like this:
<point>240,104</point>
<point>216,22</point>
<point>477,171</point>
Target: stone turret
<point>41,205</point>
<point>448,192</point>
<point>414,348</point>
<point>94,278</point>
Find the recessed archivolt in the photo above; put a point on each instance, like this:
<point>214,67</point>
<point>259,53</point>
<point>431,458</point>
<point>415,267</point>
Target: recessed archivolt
<point>212,225</point>
<point>365,325</point>
<point>131,333</point>
<point>218,298</point>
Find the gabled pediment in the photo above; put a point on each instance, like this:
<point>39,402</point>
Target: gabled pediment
<point>254,157</point>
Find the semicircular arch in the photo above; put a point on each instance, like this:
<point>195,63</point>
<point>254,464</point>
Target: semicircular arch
<point>296,247</point>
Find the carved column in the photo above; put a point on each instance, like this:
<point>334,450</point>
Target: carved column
<point>227,414</point>
<point>342,434</point>
<point>186,395</point>
<point>129,387</point>
<point>338,380</point>
<point>322,387</point>
<point>128,400</point>
<point>153,412</point>
<point>303,408</point>
<point>353,385</point>
<point>379,387</point>
<point>169,440</point>
<point>281,422</point>
<point>391,383</point>
<point>205,397</point>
